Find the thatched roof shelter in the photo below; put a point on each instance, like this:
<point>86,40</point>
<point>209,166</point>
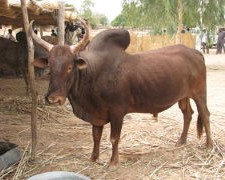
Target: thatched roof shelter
<point>43,12</point>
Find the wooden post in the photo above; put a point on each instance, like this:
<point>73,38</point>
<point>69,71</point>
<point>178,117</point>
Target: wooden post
<point>61,26</point>
<point>31,79</point>
<point>41,32</point>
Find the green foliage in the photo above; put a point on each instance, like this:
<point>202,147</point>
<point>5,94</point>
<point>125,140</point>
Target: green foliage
<point>93,19</point>
<point>214,13</point>
<point>119,21</point>
<point>132,12</point>
<point>87,5</point>
<point>101,19</point>
<point>168,14</point>
<point>86,12</point>
<point>71,7</point>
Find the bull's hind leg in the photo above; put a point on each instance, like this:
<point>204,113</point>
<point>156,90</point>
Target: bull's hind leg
<point>187,111</point>
<point>203,120</point>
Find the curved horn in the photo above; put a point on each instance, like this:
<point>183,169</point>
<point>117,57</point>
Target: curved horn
<point>75,48</point>
<point>38,40</point>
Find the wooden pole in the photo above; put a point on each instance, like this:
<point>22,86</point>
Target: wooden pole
<point>41,32</point>
<point>61,26</point>
<point>34,94</point>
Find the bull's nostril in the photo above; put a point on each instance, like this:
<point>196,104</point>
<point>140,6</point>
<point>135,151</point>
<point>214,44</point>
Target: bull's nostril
<point>50,100</point>
<point>46,99</point>
<point>59,100</point>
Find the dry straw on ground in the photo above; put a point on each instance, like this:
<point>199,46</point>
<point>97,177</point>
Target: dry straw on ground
<point>149,152</point>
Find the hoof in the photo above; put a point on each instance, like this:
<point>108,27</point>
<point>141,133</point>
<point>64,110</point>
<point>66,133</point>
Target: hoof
<point>180,143</point>
<point>113,166</point>
<point>93,159</point>
<point>209,146</point>
<point>114,162</point>
<point>156,119</point>
<point>155,116</point>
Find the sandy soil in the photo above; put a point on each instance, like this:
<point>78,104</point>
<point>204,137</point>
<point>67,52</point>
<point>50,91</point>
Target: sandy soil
<point>146,149</point>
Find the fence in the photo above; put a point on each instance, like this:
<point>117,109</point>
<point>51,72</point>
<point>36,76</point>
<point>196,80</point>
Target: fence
<point>148,42</point>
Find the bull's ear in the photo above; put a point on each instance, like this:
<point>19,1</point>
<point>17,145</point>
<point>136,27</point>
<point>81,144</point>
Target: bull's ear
<point>41,63</point>
<point>80,63</point>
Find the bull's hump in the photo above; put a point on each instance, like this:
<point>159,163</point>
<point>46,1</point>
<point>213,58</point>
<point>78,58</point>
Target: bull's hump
<point>110,38</point>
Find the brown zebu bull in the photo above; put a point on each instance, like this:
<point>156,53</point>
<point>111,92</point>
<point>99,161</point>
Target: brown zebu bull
<point>103,83</point>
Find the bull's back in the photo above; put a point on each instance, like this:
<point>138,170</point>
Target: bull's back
<point>171,63</point>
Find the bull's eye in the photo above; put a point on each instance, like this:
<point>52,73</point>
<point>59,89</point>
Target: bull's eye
<point>69,69</point>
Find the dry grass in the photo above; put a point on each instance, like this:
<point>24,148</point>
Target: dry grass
<point>146,150</point>
<point>149,42</point>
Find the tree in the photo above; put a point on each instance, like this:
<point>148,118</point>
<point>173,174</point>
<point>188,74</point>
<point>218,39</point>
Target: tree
<point>93,19</point>
<point>119,21</point>
<point>101,19</point>
<point>86,11</point>
<point>172,14</point>
<point>132,12</point>
<point>213,13</point>
<point>70,7</point>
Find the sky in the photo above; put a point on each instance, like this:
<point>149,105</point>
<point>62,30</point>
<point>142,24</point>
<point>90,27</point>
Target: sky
<point>110,8</point>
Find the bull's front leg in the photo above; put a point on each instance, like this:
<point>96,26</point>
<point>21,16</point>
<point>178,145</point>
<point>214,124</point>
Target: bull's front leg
<point>116,126</point>
<point>97,134</point>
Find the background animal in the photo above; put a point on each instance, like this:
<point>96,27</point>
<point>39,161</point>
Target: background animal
<point>13,55</point>
<point>103,83</point>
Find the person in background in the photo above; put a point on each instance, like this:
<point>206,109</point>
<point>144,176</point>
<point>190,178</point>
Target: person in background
<point>36,31</point>
<point>69,34</point>
<point>205,43</point>
<point>10,36</point>
<point>220,41</point>
<point>53,33</point>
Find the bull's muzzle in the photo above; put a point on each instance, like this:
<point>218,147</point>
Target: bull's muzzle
<point>55,100</point>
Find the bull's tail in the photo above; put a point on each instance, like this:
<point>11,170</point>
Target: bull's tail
<point>199,127</point>
<point>199,121</point>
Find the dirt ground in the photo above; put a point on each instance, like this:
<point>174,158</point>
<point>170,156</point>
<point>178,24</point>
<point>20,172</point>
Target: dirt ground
<point>146,149</point>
